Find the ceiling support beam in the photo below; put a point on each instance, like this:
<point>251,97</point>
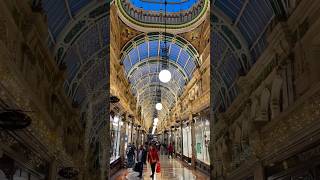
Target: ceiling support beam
<point>241,12</point>
<point>68,9</point>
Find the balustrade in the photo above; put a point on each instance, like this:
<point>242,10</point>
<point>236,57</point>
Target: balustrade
<point>158,17</point>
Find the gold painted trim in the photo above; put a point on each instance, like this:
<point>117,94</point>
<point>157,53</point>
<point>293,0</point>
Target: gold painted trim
<point>177,26</point>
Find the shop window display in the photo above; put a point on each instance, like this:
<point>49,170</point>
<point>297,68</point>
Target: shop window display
<point>126,138</point>
<point>187,142</point>
<point>115,127</point>
<point>129,133</point>
<point>202,136</point>
<point>178,141</point>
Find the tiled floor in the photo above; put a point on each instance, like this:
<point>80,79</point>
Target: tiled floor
<point>171,169</point>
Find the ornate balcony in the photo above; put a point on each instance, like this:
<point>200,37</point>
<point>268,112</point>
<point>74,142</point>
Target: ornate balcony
<point>144,17</point>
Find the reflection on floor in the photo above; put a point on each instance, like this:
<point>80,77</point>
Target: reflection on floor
<point>170,169</point>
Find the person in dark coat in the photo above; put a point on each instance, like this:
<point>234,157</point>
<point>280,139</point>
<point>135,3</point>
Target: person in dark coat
<point>141,158</point>
<point>146,148</point>
<point>130,156</point>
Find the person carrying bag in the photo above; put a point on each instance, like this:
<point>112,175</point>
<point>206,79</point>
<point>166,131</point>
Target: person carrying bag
<point>141,158</point>
<point>153,159</point>
<point>158,169</point>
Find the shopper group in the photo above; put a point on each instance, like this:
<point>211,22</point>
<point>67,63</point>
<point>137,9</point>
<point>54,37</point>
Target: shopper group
<point>138,157</point>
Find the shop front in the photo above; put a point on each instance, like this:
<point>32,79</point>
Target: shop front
<point>187,149</point>
<point>115,126</point>
<point>178,141</point>
<point>202,137</point>
<point>202,134</point>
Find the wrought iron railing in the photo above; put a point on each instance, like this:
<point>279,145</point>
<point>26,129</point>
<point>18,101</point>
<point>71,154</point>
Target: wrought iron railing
<point>156,17</point>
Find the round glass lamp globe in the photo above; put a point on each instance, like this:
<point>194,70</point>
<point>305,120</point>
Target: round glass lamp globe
<point>156,120</point>
<point>165,76</point>
<point>159,106</point>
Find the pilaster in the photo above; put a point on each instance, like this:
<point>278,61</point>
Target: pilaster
<point>87,139</point>
<point>193,142</point>
<point>53,170</point>
<point>259,173</point>
<point>181,126</point>
<point>122,140</point>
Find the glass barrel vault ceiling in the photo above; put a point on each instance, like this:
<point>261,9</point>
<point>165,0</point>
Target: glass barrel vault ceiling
<point>238,39</point>
<point>78,36</point>
<point>142,61</point>
<point>247,19</point>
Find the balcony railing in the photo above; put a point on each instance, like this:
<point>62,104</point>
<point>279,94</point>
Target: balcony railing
<point>156,17</point>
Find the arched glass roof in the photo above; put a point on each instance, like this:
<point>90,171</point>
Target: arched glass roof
<point>238,39</point>
<point>251,17</point>
<point>78,33</point>
<point>142,59</point>
<point>150,74</point>
<point>78,39</point>
<point>145,48</point>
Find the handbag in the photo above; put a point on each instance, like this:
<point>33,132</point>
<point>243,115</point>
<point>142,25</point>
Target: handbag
<point>158,168</point>
<point>136,167</point>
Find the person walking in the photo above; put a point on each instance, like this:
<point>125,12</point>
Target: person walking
<point>153,159</point>
<point>141,158</point>
<point>146,148</point>
<point>170,151</point>
<point>130,156</point>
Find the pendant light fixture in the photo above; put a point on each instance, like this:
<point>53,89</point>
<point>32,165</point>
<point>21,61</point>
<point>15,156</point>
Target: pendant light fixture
<point>158,106</point>
<point>165,74</point>
<point>158,98</point>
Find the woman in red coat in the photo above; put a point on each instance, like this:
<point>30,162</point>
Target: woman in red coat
<point>153,158</point>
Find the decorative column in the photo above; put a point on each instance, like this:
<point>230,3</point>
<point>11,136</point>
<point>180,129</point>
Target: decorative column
<point>105,160</point>
<point>53,170</point>
<point>193,142</point>
<point>87,139</point>
<point>165,136</point>
<point>131,139</point>
<point>123,139</point>
<point>212,149</point>
<point>138,135</point>
<point>259,173</point>
<point>171,135</point>
<point>129,131</point>
<point>142,137</point>
<point>168,136</point>
<point>236,155</point>
<point>181,126</point>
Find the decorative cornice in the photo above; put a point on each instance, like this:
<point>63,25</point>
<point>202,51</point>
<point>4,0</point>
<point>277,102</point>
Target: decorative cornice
<point>175,29</point>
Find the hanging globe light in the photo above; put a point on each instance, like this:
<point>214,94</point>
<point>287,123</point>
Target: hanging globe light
<point>158,106</point>
<point>156,120</point>
<point>165,75</point>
